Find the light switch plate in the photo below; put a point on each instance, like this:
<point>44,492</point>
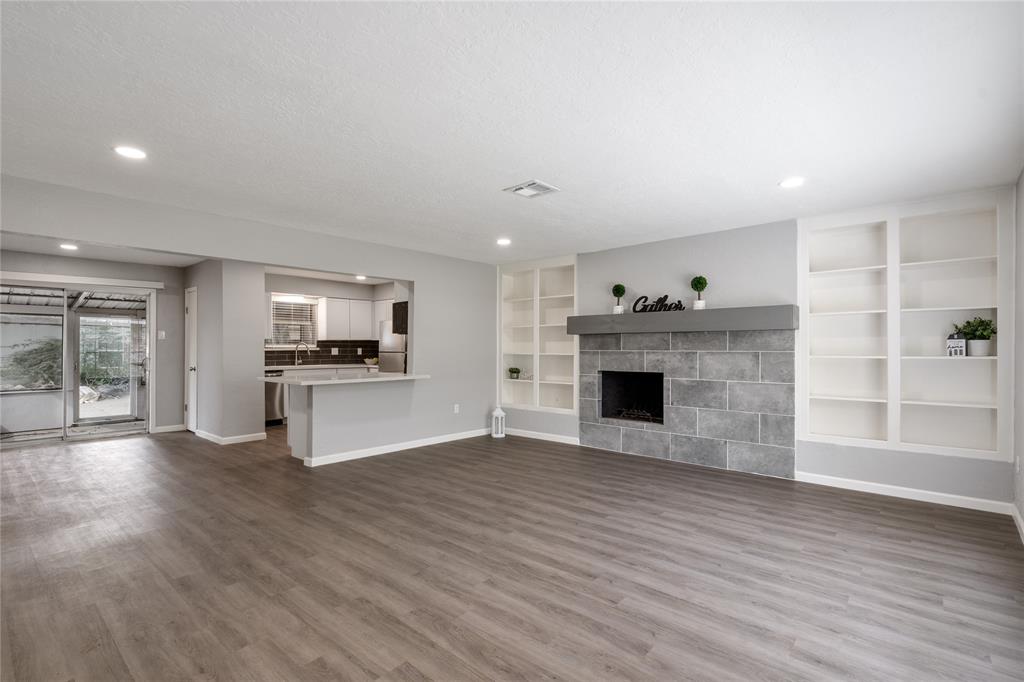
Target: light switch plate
<point>334,351</point>
<point>161,335</point>
<point>359,351</point>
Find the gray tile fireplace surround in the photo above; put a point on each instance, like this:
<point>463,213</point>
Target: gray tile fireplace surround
<point>728,397</point>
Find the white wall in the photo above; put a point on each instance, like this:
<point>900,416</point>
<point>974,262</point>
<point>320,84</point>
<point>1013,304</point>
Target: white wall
<point>455,315</point>
<point>170,315</point>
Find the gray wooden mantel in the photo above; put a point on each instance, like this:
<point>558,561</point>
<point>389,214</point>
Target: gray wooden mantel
<point>708,320</point>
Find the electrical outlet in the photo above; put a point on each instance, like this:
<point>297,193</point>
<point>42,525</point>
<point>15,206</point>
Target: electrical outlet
<point>334,351</point>
<point>455,408</point>
<point>359,351</point>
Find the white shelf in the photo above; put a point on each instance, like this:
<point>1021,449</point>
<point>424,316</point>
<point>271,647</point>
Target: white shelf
<point>948,308</point>
<point>848,399</point>
<point>947,261</point>
<point>878,300</point>
<point>846,271</point>
<point>948,357</point>
<point>942,403</point>
<point>539,298</point>
<point>848,312</point>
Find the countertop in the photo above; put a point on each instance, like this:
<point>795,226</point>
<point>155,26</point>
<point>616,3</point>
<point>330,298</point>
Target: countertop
<point>359,365</point>
<point>318,379</point>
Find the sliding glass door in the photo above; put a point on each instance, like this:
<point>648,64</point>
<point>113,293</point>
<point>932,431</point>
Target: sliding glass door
<point>32,322</point>
<point>72,362</point>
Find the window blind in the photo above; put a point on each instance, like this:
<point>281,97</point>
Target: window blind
<point>293,322</point>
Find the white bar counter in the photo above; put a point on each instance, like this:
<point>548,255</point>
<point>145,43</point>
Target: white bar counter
<point>323,424</point>
<point>344,376</point>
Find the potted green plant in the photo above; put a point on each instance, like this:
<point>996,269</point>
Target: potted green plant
<point>979,333</point>
<point>618,291</point>
<point>699,284</point>
<point>513,372</point>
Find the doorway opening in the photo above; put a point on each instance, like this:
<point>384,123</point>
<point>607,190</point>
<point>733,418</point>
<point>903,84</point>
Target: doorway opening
<point>73,363</point>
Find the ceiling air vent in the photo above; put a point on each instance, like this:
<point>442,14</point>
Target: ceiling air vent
<point>531,188</point>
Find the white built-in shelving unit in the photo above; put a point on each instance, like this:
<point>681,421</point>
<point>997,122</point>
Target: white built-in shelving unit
<point>536,300</point>
<point>880,291</point>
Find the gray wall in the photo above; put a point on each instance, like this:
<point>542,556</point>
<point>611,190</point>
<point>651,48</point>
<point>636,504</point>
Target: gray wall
<point>747,266</point>
<point>311,286</point>
<point>1018,352</point>
<point>242,365</point>
<point>455,344</point>
<point>208,278</point>
<point>169,369</point>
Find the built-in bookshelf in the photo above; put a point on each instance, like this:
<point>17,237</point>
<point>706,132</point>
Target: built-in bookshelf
<point>536,301</point>
<point>880,292</point>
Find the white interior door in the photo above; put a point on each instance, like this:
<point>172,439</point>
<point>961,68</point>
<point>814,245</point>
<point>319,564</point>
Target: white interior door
<point>191,358</point>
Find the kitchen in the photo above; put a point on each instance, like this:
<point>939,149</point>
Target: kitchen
<point>328,325</point>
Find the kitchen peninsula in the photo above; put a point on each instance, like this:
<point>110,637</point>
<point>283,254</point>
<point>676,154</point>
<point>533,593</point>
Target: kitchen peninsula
<point>319,421</point>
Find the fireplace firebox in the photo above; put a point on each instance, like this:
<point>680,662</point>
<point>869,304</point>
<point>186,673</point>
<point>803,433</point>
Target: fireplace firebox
<point>637,396</point>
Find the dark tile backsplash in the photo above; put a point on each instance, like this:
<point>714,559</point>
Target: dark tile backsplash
<point>322,355</point>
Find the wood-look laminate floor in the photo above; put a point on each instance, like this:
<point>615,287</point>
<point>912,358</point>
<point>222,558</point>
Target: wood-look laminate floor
<point>170,558</point>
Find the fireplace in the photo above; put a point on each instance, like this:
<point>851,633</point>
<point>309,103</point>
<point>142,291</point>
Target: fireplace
<point>636,396</point>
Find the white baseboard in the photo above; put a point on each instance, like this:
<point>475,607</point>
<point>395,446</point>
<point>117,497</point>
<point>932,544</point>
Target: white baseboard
<point>908,493</point>
<point>231,440</point>
<point>1019,520</point>
<point>167,429</point>
<point>392,447</point>
<point>540,435</point>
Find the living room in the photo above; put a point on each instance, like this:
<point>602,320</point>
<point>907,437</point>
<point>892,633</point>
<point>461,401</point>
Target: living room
<point>705,323</point>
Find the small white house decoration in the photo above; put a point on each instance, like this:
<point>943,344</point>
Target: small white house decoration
<point>956,346</point>
<point>498,423</point>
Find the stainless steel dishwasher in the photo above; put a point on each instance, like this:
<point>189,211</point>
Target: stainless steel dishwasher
<point>273,399</point>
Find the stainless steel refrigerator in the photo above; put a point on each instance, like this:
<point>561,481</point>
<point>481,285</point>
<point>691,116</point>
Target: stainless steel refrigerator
<point>392,349</point>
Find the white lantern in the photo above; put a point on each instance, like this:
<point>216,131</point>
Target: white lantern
<point>498,423</point>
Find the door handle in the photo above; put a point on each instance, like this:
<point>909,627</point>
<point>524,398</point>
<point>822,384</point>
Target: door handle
<point>191,369</point>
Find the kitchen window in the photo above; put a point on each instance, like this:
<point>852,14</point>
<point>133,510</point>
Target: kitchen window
<point>293,321</point>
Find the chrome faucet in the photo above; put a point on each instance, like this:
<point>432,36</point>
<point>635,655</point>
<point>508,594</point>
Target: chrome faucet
<point>300,343</point>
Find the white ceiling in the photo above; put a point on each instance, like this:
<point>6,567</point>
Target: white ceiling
<point>11,241</point>
<point>400,123</point>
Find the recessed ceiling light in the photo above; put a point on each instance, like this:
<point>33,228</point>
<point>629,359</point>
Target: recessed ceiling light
<point>504,241</point>
<point>360,277</point>
<point>69,247</point>
<point>133,153</point>
<point>792,182</point>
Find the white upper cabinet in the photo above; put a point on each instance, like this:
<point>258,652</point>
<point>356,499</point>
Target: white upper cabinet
<point>338,324</point>
<point>381,313</point>
<point>360,320</point>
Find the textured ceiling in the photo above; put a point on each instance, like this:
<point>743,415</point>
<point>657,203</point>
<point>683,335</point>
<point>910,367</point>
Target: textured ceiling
<point>27,243</point>
<point>400,123</point>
